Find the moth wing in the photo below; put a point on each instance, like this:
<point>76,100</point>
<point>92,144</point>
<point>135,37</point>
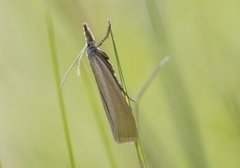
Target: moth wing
<point>118,111</point>
<point>103,56</point>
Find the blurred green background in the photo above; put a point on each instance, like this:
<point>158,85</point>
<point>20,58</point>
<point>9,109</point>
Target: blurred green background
<point>189,116</point>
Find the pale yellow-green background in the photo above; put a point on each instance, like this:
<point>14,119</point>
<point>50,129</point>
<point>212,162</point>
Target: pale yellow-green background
<point>189,116</point>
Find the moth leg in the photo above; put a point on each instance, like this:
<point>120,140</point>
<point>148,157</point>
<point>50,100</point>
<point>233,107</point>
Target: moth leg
<point>125,94</point>
<point>106,36</point>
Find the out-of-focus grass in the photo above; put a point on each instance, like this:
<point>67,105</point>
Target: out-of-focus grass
<point>52,46</point>
<point>189,116</point>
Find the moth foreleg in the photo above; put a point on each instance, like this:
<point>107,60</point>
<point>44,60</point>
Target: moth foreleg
<point>106,35</point>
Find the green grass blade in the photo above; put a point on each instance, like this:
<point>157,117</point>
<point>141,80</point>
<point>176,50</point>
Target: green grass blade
<point>138,144</point>
<point>119,66</point>
<point>147,83</point>
<point>150,79</point>
<point>139,96</point>
<point>140,153</point>
<point>53,50</point>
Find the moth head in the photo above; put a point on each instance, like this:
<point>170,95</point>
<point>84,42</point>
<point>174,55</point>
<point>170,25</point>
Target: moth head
<point>88,36</point>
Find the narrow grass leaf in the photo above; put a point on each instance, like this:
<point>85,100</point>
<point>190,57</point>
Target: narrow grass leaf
<point>53,50</point>
<point>138,145</point>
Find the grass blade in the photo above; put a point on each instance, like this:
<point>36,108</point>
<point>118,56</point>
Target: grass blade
<point>138,144</point>
<point>150,79</point>
<point>147,83</point>
<point>53,50</point>
<point>119,65</point>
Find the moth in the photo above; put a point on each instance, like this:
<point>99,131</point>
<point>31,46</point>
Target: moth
<point>113,96</point>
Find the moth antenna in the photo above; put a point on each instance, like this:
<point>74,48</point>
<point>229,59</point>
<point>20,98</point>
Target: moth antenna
<point>78,58</point>
<point>78,67</point>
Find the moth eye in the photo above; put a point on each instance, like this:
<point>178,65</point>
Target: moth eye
<point>92,43</point>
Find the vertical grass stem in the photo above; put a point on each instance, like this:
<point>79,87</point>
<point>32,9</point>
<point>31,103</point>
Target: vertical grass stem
<point>138,145</point>
<point>53,50</point>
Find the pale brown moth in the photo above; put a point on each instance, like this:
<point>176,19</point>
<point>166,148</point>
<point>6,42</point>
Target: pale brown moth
<point>113,96</point>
